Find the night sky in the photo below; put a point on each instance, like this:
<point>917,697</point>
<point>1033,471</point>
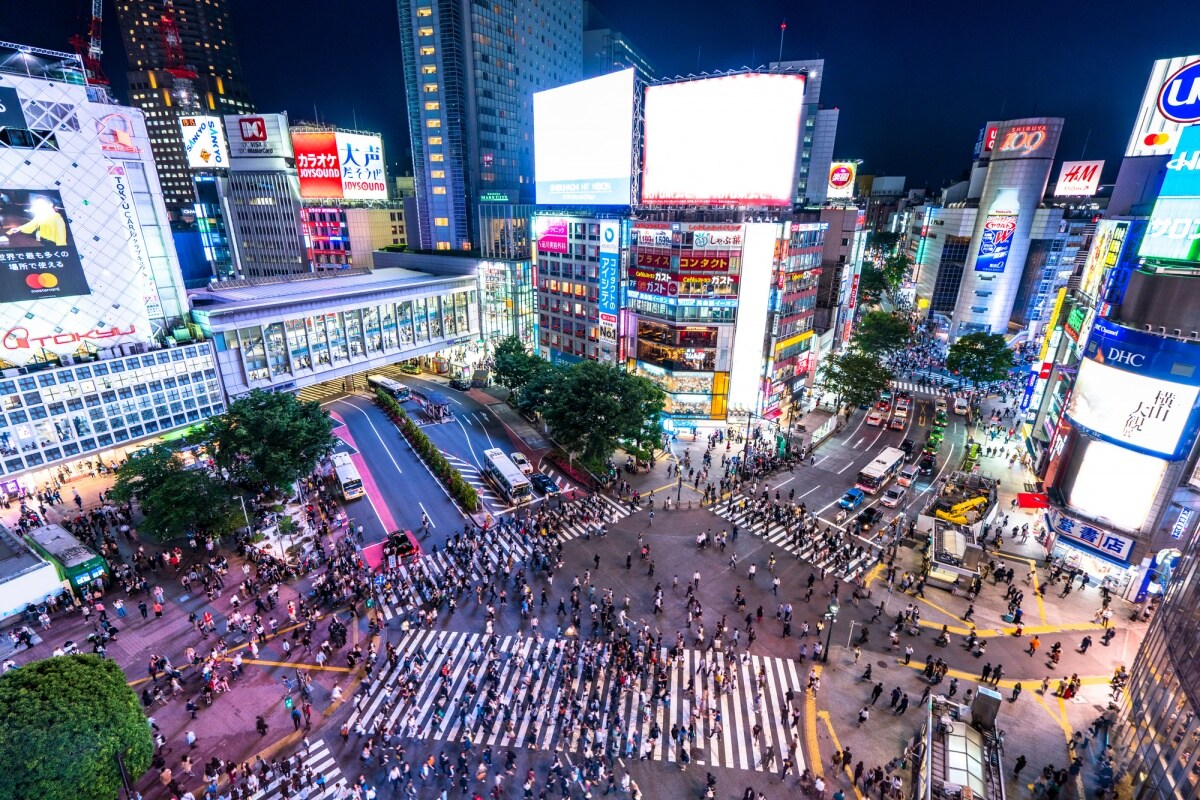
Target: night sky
<point>914,81</point>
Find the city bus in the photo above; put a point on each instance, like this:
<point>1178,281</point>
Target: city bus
<point>347,476</point>
<point>394,388</point>
<point>76,563</point>
<point>876,474</point>
<point>502,473</point>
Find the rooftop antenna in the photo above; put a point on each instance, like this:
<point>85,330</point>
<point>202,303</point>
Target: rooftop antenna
<point>782,28</point>
<point>354,113</point>
<point>1086,139</point>
<point>697,58</point>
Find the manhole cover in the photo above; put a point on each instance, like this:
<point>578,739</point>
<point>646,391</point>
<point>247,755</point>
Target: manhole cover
<point>881,664</point>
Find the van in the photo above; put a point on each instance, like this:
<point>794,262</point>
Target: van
<point>907,475</point>
<point>960,405</point>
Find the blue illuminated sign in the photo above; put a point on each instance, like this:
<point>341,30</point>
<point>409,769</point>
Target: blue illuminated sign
<point>997,238</point>
<point>609,269</point>
<point>1179,97</point>
<point>1153,356</point>
<point>1183,170</point>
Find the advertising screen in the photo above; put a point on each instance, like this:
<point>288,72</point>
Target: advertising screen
<point>841,180</point>
<point>1079,178</point>
<point>998,232</point>
<point>1127,408</point>
<point>258,136</point>
<point>722,141</point>
<point>1111,482</point>
<point>333,165</point>
<point>583,141</point>
<point>1173,233</point>
<point>204,142</point>
<point>1106,249</point>
<point>11,115</point>
<point>1182,178</point>
<point>550,235</point>
<point>36,247</point>
<point>1170,103</point>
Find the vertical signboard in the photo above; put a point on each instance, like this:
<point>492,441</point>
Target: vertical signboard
<point>132,226</point>
<point>1170,103</point>
<point>37,248</point>
<point>610,265</point>
<point>841,180</point>
<point>204,142</point>
<point>551,236</point>
<point>998,229</point>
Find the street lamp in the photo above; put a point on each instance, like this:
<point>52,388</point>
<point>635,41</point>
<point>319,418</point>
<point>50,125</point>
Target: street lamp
<point>245,516</point>
<point>830,615</point>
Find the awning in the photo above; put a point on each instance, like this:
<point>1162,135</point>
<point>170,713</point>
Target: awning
<point>1032,500</point>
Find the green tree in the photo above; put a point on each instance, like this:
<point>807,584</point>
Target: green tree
<point>871,285</point>
<point>642,403</point>
<point>883,242</point>
<point>175,499</point>
<point>543,384</point>
<point>879,333</point>
<point>980,357</point>
<point>514,366</point>
<point>896,268</point>
<point>855,377</point>
<point>597,407</point>
<point>63,721</point>
<point>268,440</point>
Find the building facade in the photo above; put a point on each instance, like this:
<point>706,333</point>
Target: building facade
<point>183,60</point>
<point>607,50</point>
<point>470,71</point>
<point>261,210</point>
<point>289,335</point>
<point>815,148</point>
<point>336,237</point>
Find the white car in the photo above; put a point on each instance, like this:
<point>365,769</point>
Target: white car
<point>875,418</point>
<point>894,496</point>
<point>522,463</point>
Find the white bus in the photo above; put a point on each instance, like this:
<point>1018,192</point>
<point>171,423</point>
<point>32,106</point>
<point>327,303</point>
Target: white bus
<point>876,474</point>
<point>347,476</point>
<point>503,474</point>
<point>394,388</point>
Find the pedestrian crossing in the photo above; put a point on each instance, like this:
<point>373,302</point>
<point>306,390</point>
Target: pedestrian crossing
<point>316,758</point>
<point>498,552</point>
<point>741,720</point>
<point>473,476</point>
<point>808,547</point>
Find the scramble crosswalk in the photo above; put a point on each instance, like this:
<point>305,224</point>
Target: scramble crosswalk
<point>495,552</point>
<point>535,682</point>
<point>810,548</point>
<point>318,759</point>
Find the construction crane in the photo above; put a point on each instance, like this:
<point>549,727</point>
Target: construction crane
<point>172,43</point>
<point>88,47</point>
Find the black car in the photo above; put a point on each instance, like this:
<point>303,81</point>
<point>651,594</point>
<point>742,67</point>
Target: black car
<point>927,464</point>
<point>543,483</point>
<point>869,518</point>
<point>402,544</point>
<point>909,447</point>
<point>462,384</point>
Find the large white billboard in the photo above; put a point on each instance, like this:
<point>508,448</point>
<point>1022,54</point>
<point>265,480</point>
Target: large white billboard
<point>1117,484</point>
<point>204,142</point>
<point>258,136</point>
<point>722,141</point>
<point>583,141</point>
<point>1170,103</point>
<point>1124,406</point>
<point>1079,179</point>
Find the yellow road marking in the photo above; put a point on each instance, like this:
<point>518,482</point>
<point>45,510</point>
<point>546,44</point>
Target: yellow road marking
<point>1007,683</point>
<point>1028,630</point>
<point>824,715</point>
<point>810,730</point>
<point>318,667</point>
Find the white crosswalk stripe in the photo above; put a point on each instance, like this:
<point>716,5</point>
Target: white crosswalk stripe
<point>536,688</point>
<point>495,552</point>
<point>320,761</point>
<point>811,549</point>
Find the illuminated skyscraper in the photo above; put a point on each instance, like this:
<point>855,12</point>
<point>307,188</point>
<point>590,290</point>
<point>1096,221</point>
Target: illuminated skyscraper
<point>470,71</point>
<point>182,61</point>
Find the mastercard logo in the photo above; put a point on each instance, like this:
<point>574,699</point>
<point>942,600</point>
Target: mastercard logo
<point>41,280</point>
<point>1154,139</point>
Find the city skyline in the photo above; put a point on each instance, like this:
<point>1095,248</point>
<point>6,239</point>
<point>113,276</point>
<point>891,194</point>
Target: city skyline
<point>362,87</point>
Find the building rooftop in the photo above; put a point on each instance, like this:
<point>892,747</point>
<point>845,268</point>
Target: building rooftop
<point>15,557</point>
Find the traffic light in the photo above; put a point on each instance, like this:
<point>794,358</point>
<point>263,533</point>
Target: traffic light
<point>289,703</point>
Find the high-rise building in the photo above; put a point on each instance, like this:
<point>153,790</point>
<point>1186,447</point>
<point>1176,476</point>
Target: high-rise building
<point>815,152</point>
<point>182,61</point>
<point>470,71</point>
<point>607,50</point>
<point>96,353</point>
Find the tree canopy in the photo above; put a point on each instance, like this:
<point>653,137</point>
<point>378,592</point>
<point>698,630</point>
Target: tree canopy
<point>513,365</point>
<point>175,499</point>
<point>63,720</point>
<point>980,357</point>
<point>855,377</point>
<point>879,333</point>
<point>594,408</point>
<point>268,440</point>
<point>872,285</point>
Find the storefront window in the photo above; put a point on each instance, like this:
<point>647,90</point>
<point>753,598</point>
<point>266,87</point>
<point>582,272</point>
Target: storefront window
<point>276,349</point>
<point>448,327</point>
<point>337,336</point>
<point>354,340</point>
<point>460,312</point>
<point>435,319</point>
<point>389,326</point>
<point>371,326</point>
<point>419,320</point>
<point>297,343</point>
<point>405,323</point>
<point>316,339</point>
<point>254,354</point>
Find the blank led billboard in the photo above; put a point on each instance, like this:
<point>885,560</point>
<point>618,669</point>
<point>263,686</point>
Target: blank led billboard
<point>583,142</point>
<point>722,141</point>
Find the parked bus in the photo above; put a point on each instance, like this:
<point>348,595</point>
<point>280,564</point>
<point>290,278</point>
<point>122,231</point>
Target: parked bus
<point>394,388</point>
<point>347,476</point>
<point>876,474</point>
<point>508,479</point>
<point>76,563</point>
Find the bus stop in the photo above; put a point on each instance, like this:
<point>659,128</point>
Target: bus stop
<point>436,407</point>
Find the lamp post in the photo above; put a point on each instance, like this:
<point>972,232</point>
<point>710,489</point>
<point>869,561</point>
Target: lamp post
<point>245,516</point>
<point>830,615</point>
